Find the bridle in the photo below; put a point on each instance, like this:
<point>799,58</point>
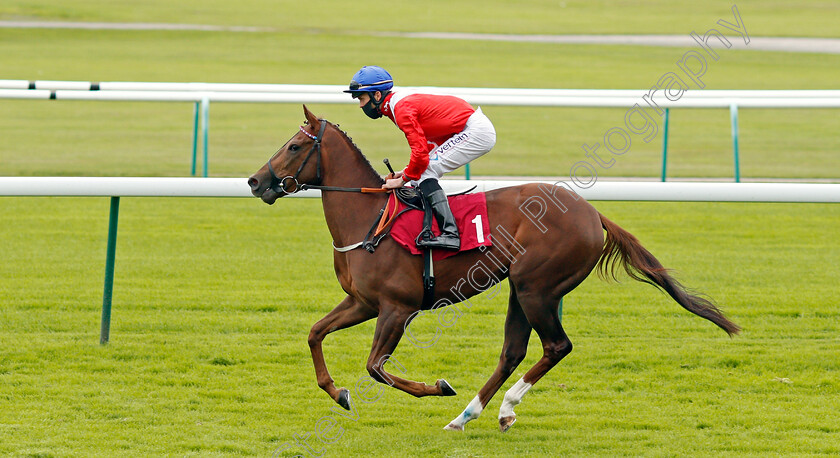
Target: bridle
<point>278,185</point>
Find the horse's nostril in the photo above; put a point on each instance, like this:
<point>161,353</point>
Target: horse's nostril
<point>253,183</point>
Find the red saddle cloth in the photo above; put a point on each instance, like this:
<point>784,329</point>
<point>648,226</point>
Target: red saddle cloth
<point>470,212</point>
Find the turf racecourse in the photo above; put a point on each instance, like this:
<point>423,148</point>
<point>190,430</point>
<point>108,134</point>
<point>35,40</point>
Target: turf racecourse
<point>214,299</point>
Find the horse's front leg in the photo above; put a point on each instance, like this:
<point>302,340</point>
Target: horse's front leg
<point>390,327</point>
<point>347,313</point>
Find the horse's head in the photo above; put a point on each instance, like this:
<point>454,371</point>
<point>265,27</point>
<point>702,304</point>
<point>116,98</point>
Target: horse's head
<point>296,163</point>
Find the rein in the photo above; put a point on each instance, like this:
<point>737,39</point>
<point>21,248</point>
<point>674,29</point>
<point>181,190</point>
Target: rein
<point>305,186</point>
<point>279,185</point>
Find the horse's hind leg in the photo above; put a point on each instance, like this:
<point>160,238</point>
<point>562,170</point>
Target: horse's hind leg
<point>517,331</point>
<point>543,316</point>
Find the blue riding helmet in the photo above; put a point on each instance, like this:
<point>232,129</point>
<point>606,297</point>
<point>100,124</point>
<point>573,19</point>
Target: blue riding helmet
<point>370,78</point>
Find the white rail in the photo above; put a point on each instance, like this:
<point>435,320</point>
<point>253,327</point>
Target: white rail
<point>337,89</point>
<point>603,191</point>
<point>826,101</point>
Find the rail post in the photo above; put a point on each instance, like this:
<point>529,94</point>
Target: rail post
<point>560,310</point>
<point>105,328</point>
<point>205,126</point>
<point>664,143</point>
<point>195,138</point>
<point>733,114</point>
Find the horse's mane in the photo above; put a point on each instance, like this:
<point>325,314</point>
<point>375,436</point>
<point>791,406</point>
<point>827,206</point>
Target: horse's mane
<point>373,173</point>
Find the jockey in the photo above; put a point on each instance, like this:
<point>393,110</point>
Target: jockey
<point>444,132</point>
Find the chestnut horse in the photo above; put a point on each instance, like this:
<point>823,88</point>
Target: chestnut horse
<point>543,259</point>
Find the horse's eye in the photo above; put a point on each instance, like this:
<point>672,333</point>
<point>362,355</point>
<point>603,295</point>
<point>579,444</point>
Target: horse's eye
<point>294,148</point>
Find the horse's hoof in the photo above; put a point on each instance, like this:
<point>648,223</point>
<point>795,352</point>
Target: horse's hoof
<point>445,388</point>
<point>506,422</point>
<point>344,399</point>
<point>453,427</point>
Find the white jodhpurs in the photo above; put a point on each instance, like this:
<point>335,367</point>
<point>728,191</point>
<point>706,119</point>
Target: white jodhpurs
<point>477,138</point>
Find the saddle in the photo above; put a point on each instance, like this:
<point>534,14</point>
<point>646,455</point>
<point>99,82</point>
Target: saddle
<point>401,201</point>
<point>411,198</point>
<point>398,219</point>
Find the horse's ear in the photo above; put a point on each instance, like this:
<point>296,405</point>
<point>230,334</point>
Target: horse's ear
<point>311,118</point>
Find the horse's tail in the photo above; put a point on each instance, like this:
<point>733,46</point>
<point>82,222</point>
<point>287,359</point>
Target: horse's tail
<point>623,249</point>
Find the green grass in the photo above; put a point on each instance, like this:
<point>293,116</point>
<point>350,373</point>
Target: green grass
<point>122,138</point>
<point>762,18</point>
<point>214,298</point>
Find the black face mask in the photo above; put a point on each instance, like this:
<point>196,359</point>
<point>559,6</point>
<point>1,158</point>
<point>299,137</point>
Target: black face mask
<point>371,110</point>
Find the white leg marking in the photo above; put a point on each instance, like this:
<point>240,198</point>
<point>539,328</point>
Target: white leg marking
<point>513,396</point>
<point>472,412</point>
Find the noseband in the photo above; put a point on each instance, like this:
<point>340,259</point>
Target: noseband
<point>278,184</point>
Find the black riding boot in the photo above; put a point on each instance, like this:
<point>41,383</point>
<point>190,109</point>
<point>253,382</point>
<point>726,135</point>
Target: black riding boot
<point>449,238</point>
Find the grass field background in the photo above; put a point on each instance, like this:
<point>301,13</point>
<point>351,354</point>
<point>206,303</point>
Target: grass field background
<point>211,311</point>
<point>812,18</point>
<point>120,138</point>
<point>214,298</point>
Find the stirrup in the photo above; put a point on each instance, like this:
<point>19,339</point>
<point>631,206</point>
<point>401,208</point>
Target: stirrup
<point>443,241</point>
<point>425,236</point>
